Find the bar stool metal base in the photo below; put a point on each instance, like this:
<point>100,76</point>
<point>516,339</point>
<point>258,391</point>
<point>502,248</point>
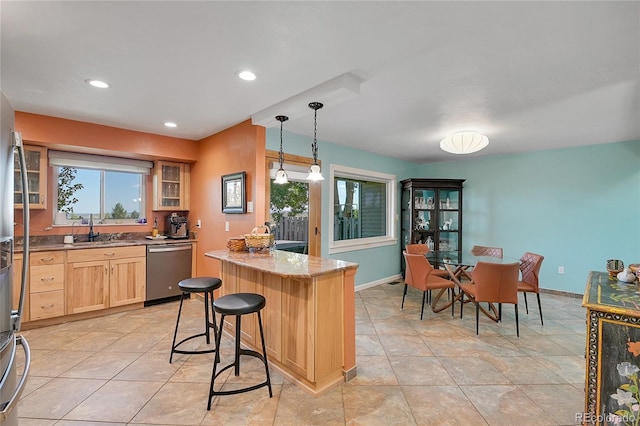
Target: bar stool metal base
<point>205,285</point>
<point>255,304</point>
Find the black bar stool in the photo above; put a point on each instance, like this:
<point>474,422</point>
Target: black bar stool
<point>239,304</point>
<point>204,285</point>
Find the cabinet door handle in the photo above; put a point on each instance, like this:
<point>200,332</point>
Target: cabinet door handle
<point>47,279</point>
<point>47,306</point>
<point>110,254</point>
<point>112,269</point>
<point>47,259</point>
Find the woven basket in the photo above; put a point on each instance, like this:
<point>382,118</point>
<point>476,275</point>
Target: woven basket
<point>236,244</point>
<point>258,240</point>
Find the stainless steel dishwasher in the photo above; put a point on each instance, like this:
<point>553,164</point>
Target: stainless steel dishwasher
<point>167,264</point>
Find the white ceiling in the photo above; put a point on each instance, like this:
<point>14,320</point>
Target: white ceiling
<point>530,75</point>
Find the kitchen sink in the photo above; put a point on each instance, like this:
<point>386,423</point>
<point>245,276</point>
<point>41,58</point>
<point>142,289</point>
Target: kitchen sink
<point>105,243</point>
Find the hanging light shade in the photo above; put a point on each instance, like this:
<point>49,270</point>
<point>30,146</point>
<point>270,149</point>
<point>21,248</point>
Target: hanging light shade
<point>314,172</point>
<point>464,142</point>
<point>281,175</point>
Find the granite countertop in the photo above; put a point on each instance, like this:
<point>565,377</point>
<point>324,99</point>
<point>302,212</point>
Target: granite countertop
<point>49,245</point>
<point>283,263</point>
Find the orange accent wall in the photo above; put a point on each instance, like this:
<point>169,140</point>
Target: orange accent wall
<point>78,136</point>
<point>239,148</point>
<point>70,135</point>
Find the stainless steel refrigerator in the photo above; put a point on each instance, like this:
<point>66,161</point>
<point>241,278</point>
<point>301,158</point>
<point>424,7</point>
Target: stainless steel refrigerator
<point>12,382</point>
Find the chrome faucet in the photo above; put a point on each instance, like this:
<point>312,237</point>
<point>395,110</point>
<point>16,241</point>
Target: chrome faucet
<point>73,234</point>
<point>92,235</point>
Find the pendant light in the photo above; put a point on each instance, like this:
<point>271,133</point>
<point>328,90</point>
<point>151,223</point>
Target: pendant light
<point>281,175</point>
<point>314,172</point>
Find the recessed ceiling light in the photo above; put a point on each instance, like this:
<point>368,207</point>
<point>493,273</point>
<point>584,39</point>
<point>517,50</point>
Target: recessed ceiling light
<point>247,75</point>
<point>170,124</point>
<point>97,83</point>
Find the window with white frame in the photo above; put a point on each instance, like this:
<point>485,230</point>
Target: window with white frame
<point>363,209</point>
<point>110,189</point>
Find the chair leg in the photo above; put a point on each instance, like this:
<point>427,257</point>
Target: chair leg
<point>500,312</point>
<point>264,355</point>
<point>206,318</point>
<point>403,296</point>
<point>517,325</point>
<point>453,305</point>
<point>175,333</point>
<point>424,296</point>
<point>526,306</point>
<point>477,318</point>
<point>461,302</point>
<point>540,308</point>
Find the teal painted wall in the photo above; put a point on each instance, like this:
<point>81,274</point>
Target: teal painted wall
<point>577,206</point>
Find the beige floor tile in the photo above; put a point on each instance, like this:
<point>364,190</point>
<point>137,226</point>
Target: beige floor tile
<point>151,366</point>
<point>562,402</point>
<point>442,406</point>
<point>55,363</point>
<point>376,405</point>
<point>296,407</point>
<point>374,370</point>
<point>113,369</point>
<point>524,370</point>
<point>56,398</point>
<point>101,365</point>
<point>472,370</point>
<point>404,345</point>
<point>420,371</point>
<point>176,404</point>
<point>116,401</point>
<point>506,405</point>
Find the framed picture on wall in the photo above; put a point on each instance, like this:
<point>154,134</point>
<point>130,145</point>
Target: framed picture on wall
<point>234,193</point>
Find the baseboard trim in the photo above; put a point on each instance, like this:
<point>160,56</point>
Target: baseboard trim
<point>378,282</point>
<point>562,293</point>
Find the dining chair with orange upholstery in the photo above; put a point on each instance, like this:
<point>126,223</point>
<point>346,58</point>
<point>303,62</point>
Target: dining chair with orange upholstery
<point>423,249</point>
<point>420,274</point>
<point>492,283</point>
<point>529,283</point>
<point>487,251</point>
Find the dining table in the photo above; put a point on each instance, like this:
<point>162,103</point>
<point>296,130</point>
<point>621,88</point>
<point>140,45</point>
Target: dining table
<point>459,265</point>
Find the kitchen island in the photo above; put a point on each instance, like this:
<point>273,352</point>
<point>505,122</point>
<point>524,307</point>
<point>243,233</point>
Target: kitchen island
<point>309,317</point>
<point>613,349</point>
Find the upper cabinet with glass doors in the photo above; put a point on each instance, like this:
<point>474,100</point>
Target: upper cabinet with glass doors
<point>36,159</point>
<point>432,214</point>
<point>171,186</point>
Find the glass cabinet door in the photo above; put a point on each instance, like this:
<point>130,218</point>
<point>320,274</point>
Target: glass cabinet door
<point>36,159</point>
<point>171,186</point>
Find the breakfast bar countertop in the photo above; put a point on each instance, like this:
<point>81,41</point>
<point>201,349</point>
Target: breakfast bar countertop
<point>283,263</point>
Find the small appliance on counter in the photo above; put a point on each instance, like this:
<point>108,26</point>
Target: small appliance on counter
<point>177,227</point>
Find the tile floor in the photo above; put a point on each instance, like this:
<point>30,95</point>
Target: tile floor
<point>115,371</point>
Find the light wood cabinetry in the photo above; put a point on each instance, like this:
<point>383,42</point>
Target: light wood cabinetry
<point>46,284</point>
<point>170,186</point>
<point>36,159</point>
<point>17,282</point>
<point>308,318</point>
<point>105,277</point>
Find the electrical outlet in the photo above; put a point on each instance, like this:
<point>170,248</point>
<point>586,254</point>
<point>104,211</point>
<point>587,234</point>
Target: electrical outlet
<point>561,270</point>
<point>226,226</point>
<point>199,224</point>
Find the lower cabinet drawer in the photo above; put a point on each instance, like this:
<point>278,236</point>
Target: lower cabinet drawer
<point>47,304</point>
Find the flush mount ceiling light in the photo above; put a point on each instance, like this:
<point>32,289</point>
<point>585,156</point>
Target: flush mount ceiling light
<point>246,75</point>
<point>464,142</point>
<point>314,172</point>
<point>281,175</point>
<point>97,83</point>
<point>170,124</point>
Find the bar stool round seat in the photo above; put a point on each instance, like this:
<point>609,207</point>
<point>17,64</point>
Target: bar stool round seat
<point>239,304</point>
<point>205,285</point>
